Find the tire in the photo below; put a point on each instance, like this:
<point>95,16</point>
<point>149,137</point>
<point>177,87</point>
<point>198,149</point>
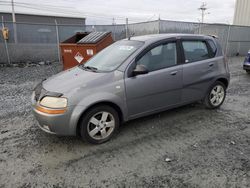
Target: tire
<point>215,96</point>
<point>248,71</point>
<point>99,124</point>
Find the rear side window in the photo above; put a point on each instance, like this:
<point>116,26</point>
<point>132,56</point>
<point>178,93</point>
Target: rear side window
<point>195,51</point>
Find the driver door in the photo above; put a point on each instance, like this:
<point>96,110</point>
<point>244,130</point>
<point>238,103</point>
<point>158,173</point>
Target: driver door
<point>161,87</point>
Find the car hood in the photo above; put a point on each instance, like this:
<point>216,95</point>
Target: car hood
<point>74,78</point>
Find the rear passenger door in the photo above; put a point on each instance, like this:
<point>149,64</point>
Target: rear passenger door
<point>198,69</point>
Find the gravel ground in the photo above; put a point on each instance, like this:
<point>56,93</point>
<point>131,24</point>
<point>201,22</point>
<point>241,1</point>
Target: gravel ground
<point>205,148</point>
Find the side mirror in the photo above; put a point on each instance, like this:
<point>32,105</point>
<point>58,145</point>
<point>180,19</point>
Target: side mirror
<point>140,69</point>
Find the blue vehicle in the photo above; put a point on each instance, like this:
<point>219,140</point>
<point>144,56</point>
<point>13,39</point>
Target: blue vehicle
<point>246,65</point>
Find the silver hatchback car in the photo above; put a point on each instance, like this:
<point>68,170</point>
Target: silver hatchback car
<point>129,79</point>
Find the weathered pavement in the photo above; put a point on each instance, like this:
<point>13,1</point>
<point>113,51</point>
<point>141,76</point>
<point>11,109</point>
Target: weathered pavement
<point>207,148</point>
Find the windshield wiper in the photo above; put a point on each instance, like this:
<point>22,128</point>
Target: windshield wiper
<point>94,69</point>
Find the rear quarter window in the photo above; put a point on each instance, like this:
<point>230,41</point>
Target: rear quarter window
<point>213,47</point>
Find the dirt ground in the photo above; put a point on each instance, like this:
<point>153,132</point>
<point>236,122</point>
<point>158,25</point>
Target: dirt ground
<point>206,148</point>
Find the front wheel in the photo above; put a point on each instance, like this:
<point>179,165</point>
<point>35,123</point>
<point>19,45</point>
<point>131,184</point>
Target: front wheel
<point>215,96</point>
<point>99,124</point>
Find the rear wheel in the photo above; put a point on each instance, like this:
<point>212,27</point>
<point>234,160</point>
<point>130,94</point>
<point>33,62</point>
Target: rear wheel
<point>248,71</point>
<point>216,95</point>
<point>99,124</point>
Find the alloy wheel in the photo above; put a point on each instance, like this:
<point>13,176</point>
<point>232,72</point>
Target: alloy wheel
<point>217,95</point>
<point>101,125</point>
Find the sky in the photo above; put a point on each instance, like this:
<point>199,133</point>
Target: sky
<point>109,11</point>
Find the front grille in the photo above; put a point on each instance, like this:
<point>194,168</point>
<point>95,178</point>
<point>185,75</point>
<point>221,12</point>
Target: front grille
<point>246,67</point>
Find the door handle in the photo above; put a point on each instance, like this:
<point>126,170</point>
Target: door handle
<point>211,64</point>
<point>173,73</point>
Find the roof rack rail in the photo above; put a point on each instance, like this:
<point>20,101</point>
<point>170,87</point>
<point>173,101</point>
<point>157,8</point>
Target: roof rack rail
<point>214,36</point>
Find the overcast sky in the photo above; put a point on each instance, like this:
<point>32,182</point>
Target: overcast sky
<point>102,11</point>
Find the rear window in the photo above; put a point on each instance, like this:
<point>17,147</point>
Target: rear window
<point>195,51</point>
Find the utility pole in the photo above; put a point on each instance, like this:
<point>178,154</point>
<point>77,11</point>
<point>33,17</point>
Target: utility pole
<point>114,29</point>
<point>228,38</point>
<point>58,41</point>
<point>6,45</point>
<point>159,24</point>
<point>113,21</point>
<point>203,9</point>
<point>14,20</point>
<point>13,12</point>
<point>127,31</point>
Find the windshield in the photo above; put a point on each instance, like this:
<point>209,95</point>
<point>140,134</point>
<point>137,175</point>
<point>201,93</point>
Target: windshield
<point>113,56</point>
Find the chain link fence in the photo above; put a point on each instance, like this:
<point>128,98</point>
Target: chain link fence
<point>39,42</point>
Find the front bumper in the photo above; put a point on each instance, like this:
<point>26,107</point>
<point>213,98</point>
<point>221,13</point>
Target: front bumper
<point>61,124</point>
<point>246,66</point>
<point>54,123</point>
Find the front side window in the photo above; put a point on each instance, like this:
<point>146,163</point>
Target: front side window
<point>195,51</point>
<point>159,57</point>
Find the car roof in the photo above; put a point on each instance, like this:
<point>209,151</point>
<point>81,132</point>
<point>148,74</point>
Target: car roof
<point>158,37</point>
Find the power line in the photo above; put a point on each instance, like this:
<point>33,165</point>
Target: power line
<point>102,6</point>
<point>203,8</point>
<point>52,8</point>
<point>56,6</point>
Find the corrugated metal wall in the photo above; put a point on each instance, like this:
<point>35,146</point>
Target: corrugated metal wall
<point>144,28</point>
<point>118,31</point>
<point>242,13</point>
<point>177,27</point>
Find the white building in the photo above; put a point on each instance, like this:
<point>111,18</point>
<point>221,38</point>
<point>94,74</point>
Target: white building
<point>242,13</point>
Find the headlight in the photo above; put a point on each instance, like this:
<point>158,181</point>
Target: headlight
<point>33,95</point>
<point>54,102</point>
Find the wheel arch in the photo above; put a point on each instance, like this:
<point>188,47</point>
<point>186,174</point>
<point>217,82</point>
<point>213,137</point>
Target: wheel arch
<point>224,81</point>
<point>107,103</point>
